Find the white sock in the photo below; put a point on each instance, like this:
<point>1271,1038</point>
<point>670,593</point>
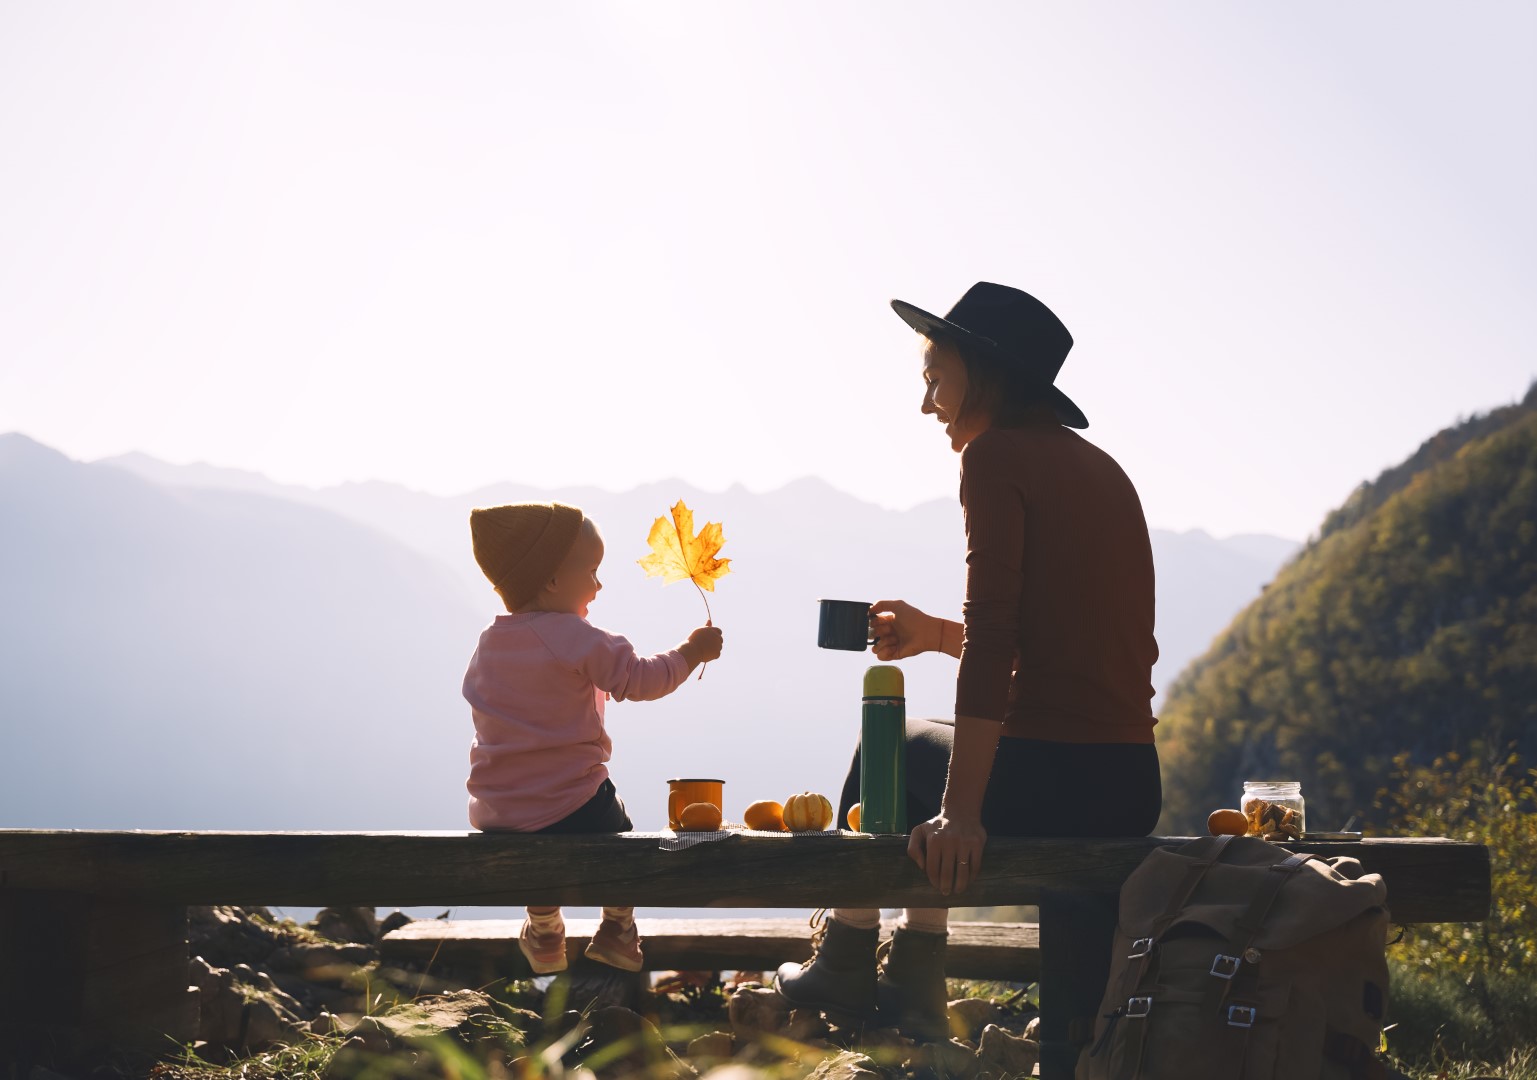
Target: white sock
<point>859,918</point>
<point>926,920</point>
<point>624,917</point>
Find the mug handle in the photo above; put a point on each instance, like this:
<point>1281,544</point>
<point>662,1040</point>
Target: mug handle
<point>672,808</point>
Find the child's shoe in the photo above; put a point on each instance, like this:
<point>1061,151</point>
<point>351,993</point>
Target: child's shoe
<point>617,945</point>
<point>545,950</point>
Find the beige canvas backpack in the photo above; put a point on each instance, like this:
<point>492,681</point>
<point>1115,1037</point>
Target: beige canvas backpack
<point>1236,959</point>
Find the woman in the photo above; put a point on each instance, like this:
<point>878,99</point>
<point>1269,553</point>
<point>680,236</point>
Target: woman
<point>1053,728</point>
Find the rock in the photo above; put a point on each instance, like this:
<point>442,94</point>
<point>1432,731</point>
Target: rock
<point>563,1024</point>
<point>614,1022</point>
<point>228,935</point>
<point>316,998</point>
<point>268,987</point>
<point>614,1026</point>
<point>355,1061</point>
<point>950,1058</point>
<point>968,1016</point>
<point>717,1045</point>
<point>241,1007</point>
<point>1033,1029</point>
<point>326,963</point>
<point>848,1065</point>
<point>393,921</point>
<point>208,979</point>
<point>803,1025</point>
<point>266,1023</point>
<point>347,924</point>
<point>1004,1054</point>
<point>467,1015</point>
<point>756,1011</point>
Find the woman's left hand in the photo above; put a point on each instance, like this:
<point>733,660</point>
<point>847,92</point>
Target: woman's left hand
<point>949,849</point>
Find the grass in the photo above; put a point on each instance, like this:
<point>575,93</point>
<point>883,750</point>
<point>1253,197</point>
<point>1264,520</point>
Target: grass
<point>1442,1028</point>
<point>1447,1026</point>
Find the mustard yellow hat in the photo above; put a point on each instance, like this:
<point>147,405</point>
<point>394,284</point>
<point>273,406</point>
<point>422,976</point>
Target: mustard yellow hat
<point>520,546</point>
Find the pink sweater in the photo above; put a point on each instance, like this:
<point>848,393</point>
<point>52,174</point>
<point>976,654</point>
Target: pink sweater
<point>536,687</point>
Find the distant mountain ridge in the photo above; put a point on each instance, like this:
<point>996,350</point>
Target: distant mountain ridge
<point>1202,580</point>
<point>186,646</point>
<point>1408,626</point>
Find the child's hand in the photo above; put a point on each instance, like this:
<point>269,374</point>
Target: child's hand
<point>702,646</point>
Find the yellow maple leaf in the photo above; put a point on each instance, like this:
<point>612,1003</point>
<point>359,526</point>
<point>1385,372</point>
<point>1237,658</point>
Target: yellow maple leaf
<point>678,554</point>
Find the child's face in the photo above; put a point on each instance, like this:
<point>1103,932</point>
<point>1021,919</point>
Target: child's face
<point>575,584</point>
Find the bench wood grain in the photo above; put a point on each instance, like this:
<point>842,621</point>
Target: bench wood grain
<point>1429,880</point>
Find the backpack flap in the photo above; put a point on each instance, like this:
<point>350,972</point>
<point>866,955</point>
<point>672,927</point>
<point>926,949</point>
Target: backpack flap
<point>1315,897</point>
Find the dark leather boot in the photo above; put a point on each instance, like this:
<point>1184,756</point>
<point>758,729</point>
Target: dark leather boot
<point>911,991</point>
<point>839,979</point>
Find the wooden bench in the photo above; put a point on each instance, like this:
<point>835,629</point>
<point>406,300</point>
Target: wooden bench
<point>1003,951</point>
<point>93,925</point>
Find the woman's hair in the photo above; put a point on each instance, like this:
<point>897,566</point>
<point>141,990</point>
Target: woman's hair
<point>993,388</point>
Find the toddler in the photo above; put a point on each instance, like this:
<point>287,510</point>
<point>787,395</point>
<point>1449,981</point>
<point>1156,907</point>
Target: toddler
<point>537,685</point>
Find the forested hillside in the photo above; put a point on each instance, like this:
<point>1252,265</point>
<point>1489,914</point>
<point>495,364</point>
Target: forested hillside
<point>1409,625</point>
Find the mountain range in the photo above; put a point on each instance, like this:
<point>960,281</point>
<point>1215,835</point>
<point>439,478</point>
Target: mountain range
<point>1404,632</point>
<point>199,647</point>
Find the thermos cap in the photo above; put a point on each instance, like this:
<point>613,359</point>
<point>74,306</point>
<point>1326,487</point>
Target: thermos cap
<point>884,680</point>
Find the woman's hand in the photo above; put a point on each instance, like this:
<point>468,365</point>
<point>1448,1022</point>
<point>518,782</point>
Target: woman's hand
<point>901,630</point>
<point>949,849</point>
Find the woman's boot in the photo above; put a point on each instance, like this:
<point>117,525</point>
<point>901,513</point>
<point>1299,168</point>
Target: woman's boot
<point>839,979</point>
<point>911,991</point>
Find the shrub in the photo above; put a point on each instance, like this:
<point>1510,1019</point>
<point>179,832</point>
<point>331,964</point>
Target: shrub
<point>1466,988</point>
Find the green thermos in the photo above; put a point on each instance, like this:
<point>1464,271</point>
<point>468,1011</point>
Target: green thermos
<point>883,752</point>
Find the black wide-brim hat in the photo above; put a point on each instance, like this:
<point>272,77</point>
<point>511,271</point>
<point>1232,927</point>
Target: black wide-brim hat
<point>1013,329</point>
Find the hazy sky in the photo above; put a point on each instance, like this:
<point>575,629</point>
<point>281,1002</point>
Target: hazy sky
<point>450,244</point>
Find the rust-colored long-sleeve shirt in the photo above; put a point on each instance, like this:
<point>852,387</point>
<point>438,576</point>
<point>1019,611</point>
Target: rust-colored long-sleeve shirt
<point>1059,590</point>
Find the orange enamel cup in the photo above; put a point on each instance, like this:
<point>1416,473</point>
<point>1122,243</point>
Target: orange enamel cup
<point>681,793</point>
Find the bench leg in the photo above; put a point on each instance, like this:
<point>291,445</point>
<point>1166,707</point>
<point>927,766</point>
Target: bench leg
<point>1076,931</point>
<point>106,972</point>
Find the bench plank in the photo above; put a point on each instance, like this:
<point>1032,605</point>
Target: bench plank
<point>977,950</point>
<point>1429,880</point>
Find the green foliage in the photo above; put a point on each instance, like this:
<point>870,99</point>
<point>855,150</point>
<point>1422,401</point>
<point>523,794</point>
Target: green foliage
<point>1410,625</point>
<point>1466,988</point>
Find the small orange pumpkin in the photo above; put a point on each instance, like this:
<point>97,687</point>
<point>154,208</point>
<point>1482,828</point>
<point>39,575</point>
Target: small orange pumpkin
<point>1230,822</point>
<point>700,817</point>
<point>808,811</point>
<point>853,816</point>
<point>766,815</point>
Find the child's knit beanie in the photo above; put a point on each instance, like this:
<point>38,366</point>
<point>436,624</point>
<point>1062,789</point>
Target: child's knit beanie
<point>519,547</point>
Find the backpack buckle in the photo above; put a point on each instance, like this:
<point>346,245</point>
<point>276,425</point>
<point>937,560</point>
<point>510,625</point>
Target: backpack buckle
<point>1242,1016</point>
<point>1138,1007</point>
<point>1140,948</point>
<point>1224,966</point>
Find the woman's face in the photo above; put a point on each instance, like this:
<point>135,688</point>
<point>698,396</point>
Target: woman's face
<point>944,380</point>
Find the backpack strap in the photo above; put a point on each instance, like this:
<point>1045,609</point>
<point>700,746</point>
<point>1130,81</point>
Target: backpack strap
<point>1133,1007</point>
<point>1252,920</point>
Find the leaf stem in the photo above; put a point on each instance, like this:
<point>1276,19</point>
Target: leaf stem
<point>709,620</point>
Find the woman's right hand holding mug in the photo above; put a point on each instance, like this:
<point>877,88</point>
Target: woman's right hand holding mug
<point>901,630</point>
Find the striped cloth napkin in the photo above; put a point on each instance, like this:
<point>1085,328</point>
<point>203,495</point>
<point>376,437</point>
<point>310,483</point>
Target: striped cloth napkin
<point>677,841</point>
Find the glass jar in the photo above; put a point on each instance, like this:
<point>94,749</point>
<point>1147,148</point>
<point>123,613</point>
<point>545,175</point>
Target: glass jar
<point>1274,809</point>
